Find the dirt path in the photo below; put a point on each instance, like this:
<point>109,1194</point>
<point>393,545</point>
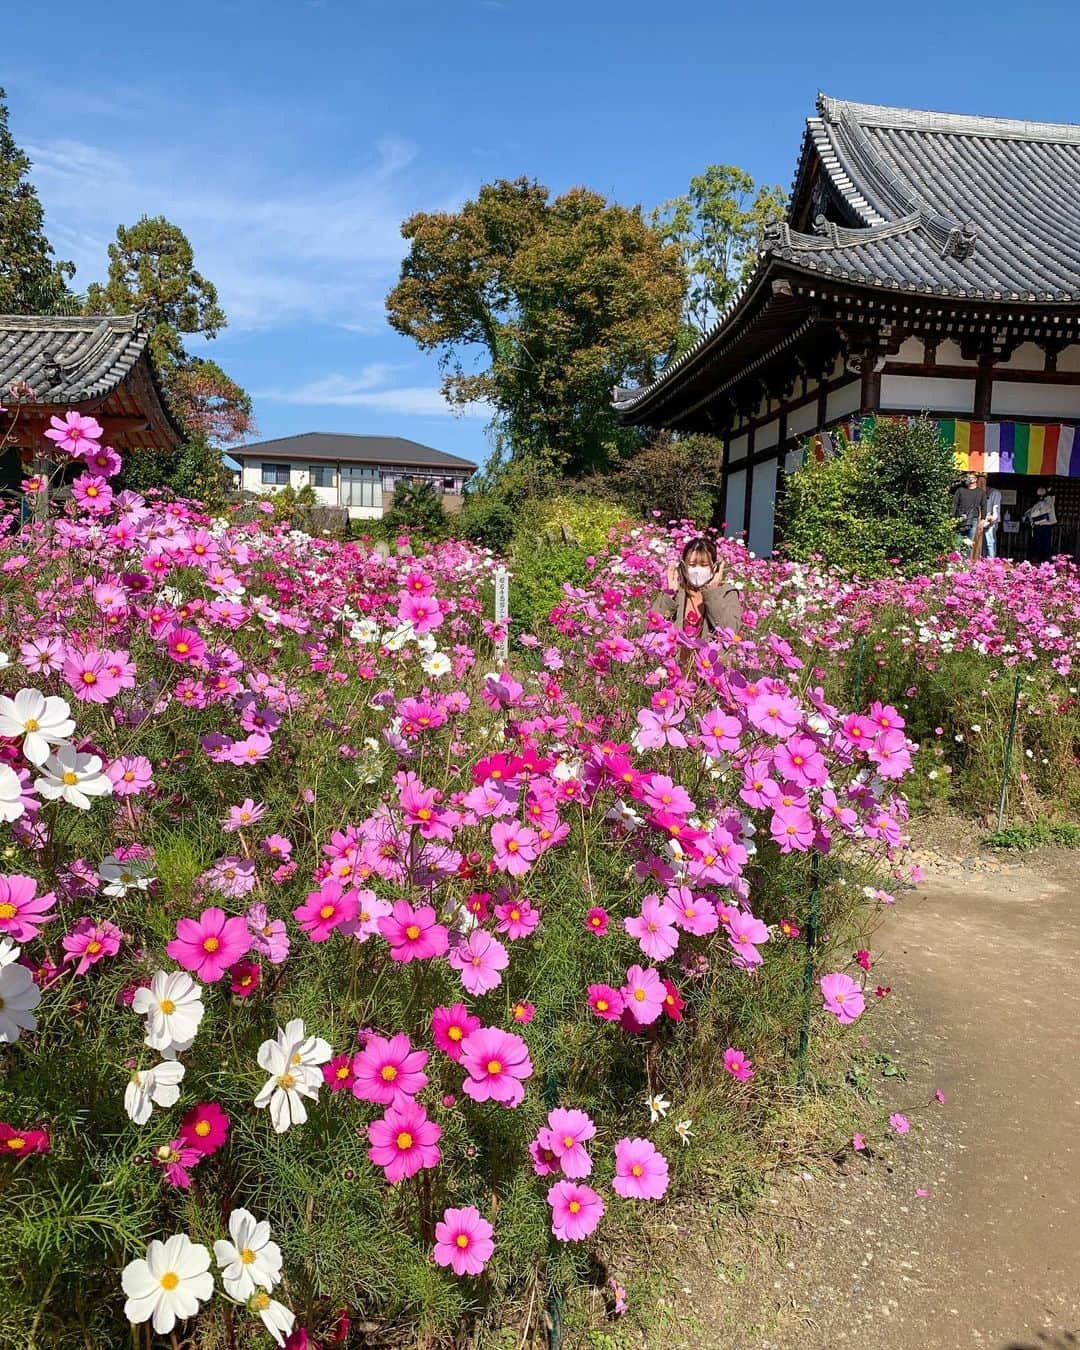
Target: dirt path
<point>967,1231</point>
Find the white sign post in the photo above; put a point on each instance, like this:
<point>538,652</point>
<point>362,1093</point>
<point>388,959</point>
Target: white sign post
<point>502,610</point>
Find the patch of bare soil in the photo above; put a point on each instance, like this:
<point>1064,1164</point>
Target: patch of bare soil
<point>966,1231</point>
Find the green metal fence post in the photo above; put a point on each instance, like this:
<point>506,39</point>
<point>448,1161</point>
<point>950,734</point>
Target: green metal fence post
<point>1007,762</point>
<point>553,1307</point>
<point>857,686</point>
<point>813,923</point>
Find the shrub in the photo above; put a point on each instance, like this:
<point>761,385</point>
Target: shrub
<point>415,508</point>
<point>671,479</point>
<point>883,501</point>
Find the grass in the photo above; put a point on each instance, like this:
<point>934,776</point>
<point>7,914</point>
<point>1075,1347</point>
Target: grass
<point>1038,834</point>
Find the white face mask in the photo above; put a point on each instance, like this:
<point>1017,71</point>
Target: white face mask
<point>698,576</point>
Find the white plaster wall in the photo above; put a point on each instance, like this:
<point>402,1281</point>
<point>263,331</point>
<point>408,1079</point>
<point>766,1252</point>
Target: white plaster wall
<point>1069,358</point>
<point>927,393</point>
<point>912,351</point>
<point>762,508</point>
<point>948,354</point>
<point>737,449</point>
<point>1017,398</point>
<point>843,401</point>
<point>736,503</point>
<point>1028,356</point>
<point>766,436</point>
<point>803,419</point>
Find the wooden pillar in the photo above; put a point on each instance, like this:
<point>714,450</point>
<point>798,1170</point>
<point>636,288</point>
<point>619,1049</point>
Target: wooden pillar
<point>748,494</point>
<point>984,388</point>
<point>870,387</point>
<point>722,504</point>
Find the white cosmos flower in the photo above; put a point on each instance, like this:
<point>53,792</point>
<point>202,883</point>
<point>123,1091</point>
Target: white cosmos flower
<point>367,630</point>
<point>250,1259</point>
<point>658,1107</point>
<point>437,664</point>
<point>121,877</point>
<point>291,1079</point>
<point>169,1285</point>
<point>12,805</point>
<point>306,1051</point>
<point>276,1318</point>
<point>397,638</point>
<point>147,1088</point>
<point>39,720</point>
<point>19,995</point>
<point>173,1009</point>
<point>74,777</point>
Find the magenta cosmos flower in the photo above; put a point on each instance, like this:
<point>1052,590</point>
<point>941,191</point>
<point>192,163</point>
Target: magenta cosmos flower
<point>210,944</point>
<point>387,1071</point>
<point>606,1002</point>
<point>326,909</point>
<point>643,994</point>
<point>737,1064</point>
<point>22,910</point>
<point>403,1141</point>
<point>515,847</point>
<point>516,918</point>
<point>843,997</point>
<point>88,942</point>
<point>130,775</point>
<point>745,933</point>
<point>463,1241</point>
<point>450,1026</point>
<point>478,960</point>
<point>565,1136</point>
<point>575,1210</point>
<point>73,432</point>
<point>654,928</point>
<point>413,934</point>
<point>641,1170</point>
<point>496,1062</point>
<point>899,1123</point>
<point>596,921</point>
<point>90,678</point>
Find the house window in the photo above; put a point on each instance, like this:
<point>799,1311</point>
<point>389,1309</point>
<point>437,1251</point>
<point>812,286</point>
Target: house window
<point>448,484</point>
<point>275,475</point>
<point>321,475</point>
<point>361,487</point>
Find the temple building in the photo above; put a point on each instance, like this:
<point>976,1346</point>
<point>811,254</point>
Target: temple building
<point>928,262</point>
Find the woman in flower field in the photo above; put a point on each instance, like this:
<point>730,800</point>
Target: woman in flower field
<point>698,600</point>
<point>343,974</point>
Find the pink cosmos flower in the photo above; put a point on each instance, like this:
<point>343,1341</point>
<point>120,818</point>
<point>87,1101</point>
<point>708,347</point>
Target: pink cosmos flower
<point>325,909</point>
<point>338,1074</point>
<point>596,921</point>
<point>205,1128</point>
<point>899,1123</point>
<point>369,910</point>
<point>73,432</point>
<point>575,1210</point>
<point>939,1097</point>
<point>606,1002</point>
<point>240,817</point>
<point>478,960</point>
<point>89,676</point>
<point>776,714</point>
<point>388,1071</point>
<point>89,942</point>
<point>858,1142</point>
<point>565,1136</point>
<point>210,944</point>
<point>737,1064</point>
<point>842,996</point>
<point>275,845</point>
<point>176,1158</point>
<point>404,1140</point>
<point>422,611</point>
<point>516,918</point>
<point>496,1062</point>
<point>93,494</point>
<point>654,928</point>
<point>130,775</point>
<point>463,1241</point>
<point>269,937</point>
<point>545,1163</point>
<point>720,733</point>
<point>693,914</point>
<point>643,994</point>
<point>523,1013</point>
<point>450,1026</point>
<point>244,978</point>
<point>22,911</point>
<point>745,933</point>
<point>641,1170</point>
<point>413,934</point>
<point>515,846</point>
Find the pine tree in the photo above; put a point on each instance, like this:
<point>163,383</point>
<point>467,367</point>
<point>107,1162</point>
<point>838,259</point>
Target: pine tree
<point>31,280</point>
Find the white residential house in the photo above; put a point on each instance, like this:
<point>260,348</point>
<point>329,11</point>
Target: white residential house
<point>356,472</point>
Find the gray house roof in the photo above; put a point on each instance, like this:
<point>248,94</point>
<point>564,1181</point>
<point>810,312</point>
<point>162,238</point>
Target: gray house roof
<point>68,358</point>
<point>346,449</point>
<point>914,203</point>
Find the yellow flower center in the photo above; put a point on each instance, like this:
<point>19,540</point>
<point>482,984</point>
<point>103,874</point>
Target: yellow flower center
<point>568,1141</point>
<point>70,779</point>
<point>462,1241</point>
<point>454,1033</point>
<point>424,813</point>
<point>93,947</point>
<point>639,994</point>
<point>167,1006</point>
<point>327,912</point>
<point>89,677</point>
<point>170,1280</point>
<point>260,1301</point>
<point>412,932</point>
<point>601,1005</point>
<point>247,1256</point>
<point>343,1072</point>
<point>574,1206</point>
<point>16,1143</point>
<point>287,1081</point>
<point>493,1066</point>
<point>182,647</point>
<point>202,1128</point>
<point>404,1140</point>
<point>31,724</point>
<point>7,910</point>
<point>636,1170</point>
<point>389,1073</point>
<point>211,944</point>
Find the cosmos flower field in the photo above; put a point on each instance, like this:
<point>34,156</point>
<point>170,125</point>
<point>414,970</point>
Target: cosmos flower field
<point>352,979</point>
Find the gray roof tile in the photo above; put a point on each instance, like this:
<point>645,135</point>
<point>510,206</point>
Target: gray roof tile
<point>68,358</point>
<point>349,449</point>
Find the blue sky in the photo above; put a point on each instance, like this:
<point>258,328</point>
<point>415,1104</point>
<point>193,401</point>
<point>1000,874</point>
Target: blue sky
<point>289,138</point>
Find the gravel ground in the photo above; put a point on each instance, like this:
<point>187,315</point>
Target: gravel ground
<point>965,1232</point>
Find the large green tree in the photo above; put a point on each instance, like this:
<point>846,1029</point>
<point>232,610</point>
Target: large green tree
<point>31,280</point>
<point>538,306</point>
<point>717,226</point>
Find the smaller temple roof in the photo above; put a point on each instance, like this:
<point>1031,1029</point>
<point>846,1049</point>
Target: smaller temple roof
<point>345,448</point>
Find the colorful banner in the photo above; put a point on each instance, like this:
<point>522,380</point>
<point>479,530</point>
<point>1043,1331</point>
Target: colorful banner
<point>1030,448</point>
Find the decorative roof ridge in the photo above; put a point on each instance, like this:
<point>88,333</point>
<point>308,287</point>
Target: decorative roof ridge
<point>956,124</point>
<point>70,323</point>
<point>829,235</point>
<point>838,174</point>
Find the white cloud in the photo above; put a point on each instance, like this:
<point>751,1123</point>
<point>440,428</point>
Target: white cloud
<point>363,391</point>
<point>279,249</point>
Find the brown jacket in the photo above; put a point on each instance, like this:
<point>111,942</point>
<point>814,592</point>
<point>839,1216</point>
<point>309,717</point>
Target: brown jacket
<point>721,607</point>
